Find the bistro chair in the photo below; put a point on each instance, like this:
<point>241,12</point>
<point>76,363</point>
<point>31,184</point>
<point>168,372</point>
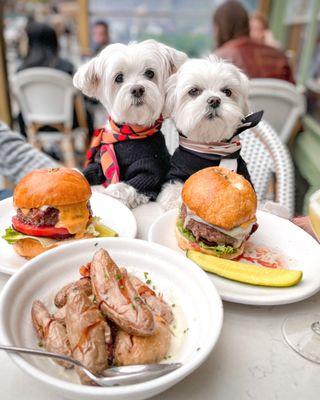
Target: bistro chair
<point>268,159</point>
<point>47,97</point>
<point>282,102</point>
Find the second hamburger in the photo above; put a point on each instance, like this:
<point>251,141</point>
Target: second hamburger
<point>218,213</point>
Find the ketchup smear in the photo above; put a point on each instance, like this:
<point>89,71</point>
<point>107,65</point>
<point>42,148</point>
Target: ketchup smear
<point>258,261</point>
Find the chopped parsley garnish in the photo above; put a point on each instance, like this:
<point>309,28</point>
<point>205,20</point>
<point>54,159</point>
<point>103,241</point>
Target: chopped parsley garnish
<point>186,330</point>
<point>133,306</point>
<point>118,277</point>
<point>40,344</point>
<point>148,281</point>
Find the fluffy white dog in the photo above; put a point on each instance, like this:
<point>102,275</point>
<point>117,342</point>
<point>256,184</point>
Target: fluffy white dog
<point>129,80</point>
<point>208,101</point>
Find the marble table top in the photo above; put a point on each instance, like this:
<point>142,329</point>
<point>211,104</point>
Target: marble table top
<point>250,360</point>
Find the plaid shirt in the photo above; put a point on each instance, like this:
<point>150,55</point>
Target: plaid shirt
<point>255,59</point>
<point>17,157</point>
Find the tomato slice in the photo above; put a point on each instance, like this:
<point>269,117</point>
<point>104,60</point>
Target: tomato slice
<point>43,231</point>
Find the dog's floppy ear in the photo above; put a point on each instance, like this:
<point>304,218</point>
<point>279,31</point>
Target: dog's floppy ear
<point>170,99</point>
<point>175,58</point>
<point>87,78</point>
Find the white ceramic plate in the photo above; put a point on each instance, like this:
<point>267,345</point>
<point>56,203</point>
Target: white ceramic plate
<point>301,251</point>
<point>195,297</point>
<point>112,213</point>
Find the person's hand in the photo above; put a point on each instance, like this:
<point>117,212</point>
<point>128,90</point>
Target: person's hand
<point>304,223</point>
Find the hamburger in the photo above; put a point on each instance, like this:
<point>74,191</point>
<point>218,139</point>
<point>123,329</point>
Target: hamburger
<point>52,206</point>
<point>217,214</point>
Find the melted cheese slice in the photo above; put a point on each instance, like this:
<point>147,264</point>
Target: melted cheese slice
<point>25,211</point>
<point>248,223</point>
<point>73,217</point>
<point>239,233</point>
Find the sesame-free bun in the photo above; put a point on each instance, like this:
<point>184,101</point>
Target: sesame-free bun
<point>29,248</point>
<point>220,197</point>
<point>185,245</point>
<point>51,187</point>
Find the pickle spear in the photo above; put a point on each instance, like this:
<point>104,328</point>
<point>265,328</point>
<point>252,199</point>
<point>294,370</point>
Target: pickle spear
<point>105,231</point>
<point>246,273</point>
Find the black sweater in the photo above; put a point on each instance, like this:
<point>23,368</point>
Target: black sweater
<point>143,164</point>
<point>184,163</point>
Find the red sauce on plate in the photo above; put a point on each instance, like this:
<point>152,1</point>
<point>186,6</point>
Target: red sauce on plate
<point>259,261</point>
<point>262,256</point>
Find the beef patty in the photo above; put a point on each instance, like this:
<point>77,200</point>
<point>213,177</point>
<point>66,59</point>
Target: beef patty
<point>38,217</point>
<point>205,233</point>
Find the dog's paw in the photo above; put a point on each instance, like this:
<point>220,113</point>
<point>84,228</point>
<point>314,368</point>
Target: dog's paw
<point>127,194</point>
<point>169,196</point>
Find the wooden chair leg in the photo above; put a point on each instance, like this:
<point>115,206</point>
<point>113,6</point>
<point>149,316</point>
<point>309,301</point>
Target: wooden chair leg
<point>80,111</point>
<point>68,151</point>
<point>32,136</point>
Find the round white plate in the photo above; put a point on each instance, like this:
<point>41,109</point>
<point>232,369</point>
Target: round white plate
<point>198,309</point>
<point>111,211</point>
<point>301,251</point>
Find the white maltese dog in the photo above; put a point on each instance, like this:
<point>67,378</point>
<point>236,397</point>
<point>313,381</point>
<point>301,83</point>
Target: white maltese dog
<point>208,101</point>
<point>129,80</point>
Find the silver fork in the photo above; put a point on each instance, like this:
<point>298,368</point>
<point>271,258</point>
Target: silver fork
<point>114,376</point>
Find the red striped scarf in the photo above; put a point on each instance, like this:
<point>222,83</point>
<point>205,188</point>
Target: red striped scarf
<point>103,141</point>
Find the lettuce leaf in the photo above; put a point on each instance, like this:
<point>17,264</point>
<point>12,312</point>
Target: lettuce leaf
<point>96,228</point>
<point>11,236</point>
<point>219,250</point>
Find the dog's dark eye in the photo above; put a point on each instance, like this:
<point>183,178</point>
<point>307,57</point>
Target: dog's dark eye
<point>119,78</point>
<point>227,92</point>
<point>194,92</point>
<point>149,73</point>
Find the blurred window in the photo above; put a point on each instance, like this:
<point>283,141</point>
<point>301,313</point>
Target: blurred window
<point>298,16</point>
<point>313,83</point>
<point>184,24</point>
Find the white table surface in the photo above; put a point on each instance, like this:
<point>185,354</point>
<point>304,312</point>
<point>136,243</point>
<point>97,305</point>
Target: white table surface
<point>250,360</point>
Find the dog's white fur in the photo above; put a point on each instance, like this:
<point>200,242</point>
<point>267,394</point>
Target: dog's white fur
<point>97,79</point>
<point>192,115</point>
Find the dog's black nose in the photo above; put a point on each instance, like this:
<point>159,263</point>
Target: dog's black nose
<point>137,90</point>
<point>214,101</point>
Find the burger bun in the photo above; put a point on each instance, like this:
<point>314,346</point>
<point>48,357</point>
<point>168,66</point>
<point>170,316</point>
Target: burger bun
<point>51,187</point>
<point>220,197</point>
<point>29,248</point>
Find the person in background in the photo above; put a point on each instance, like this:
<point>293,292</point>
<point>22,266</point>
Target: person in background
<point>257,60</point>
<point>18,157</point>
<point>259,30</point>
<point>100,36</point>
<point>43,49</point>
